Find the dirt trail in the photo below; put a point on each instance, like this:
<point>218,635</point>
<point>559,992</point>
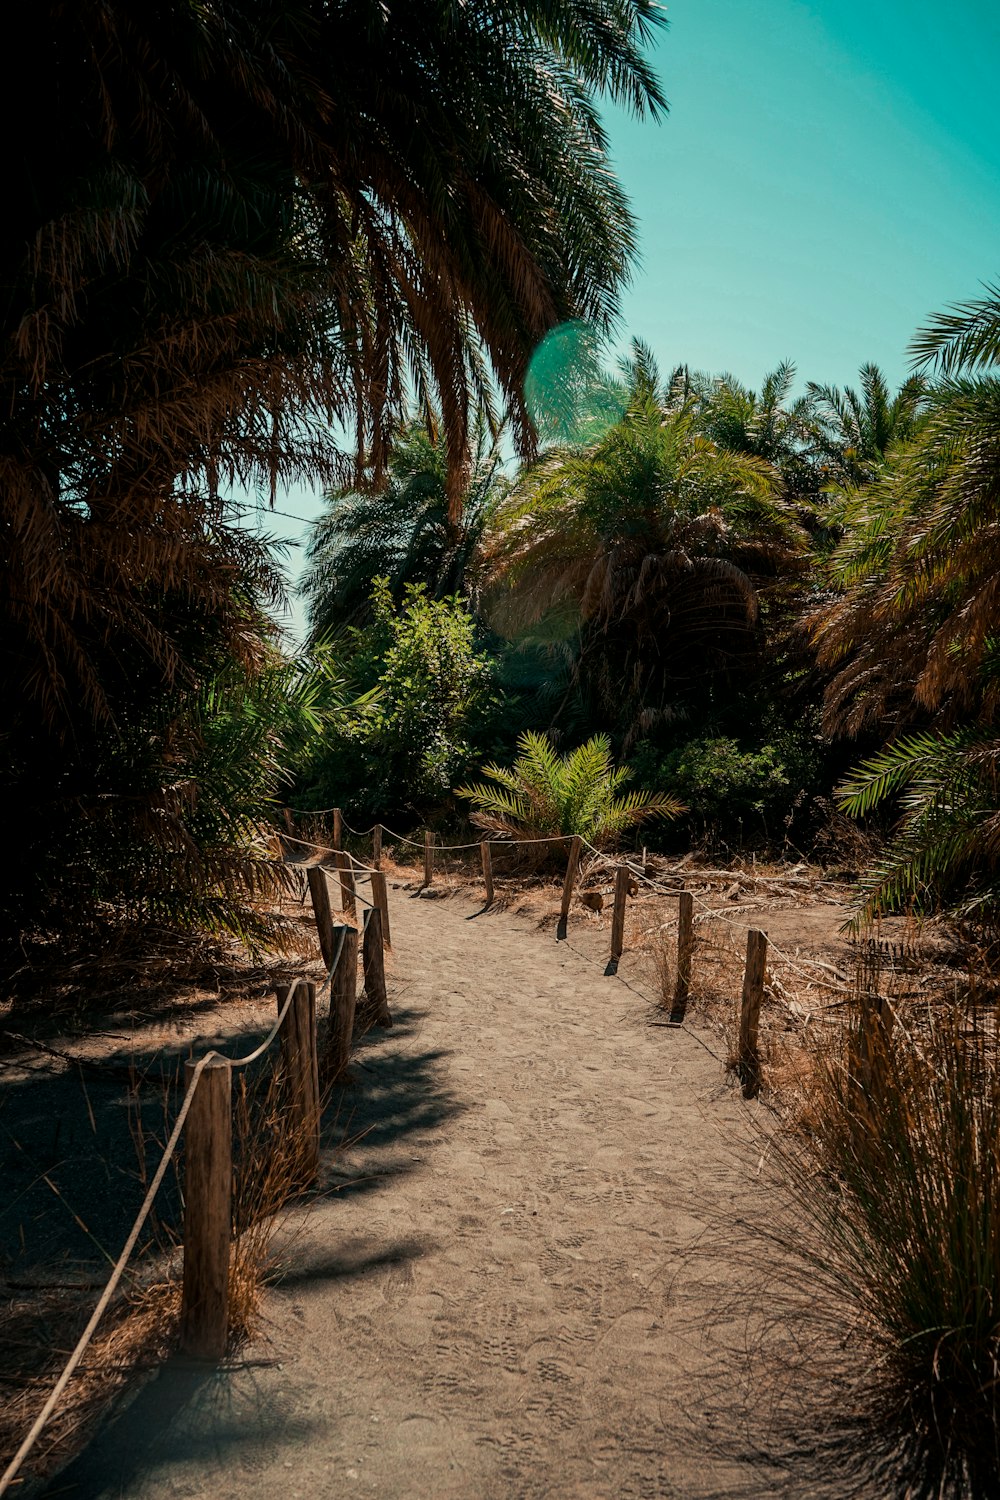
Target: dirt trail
<point>501,1300</point>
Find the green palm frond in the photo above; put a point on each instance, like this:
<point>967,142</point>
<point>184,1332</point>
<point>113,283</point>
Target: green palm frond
<point>967,336</point>
<point>945,851</point>
<point>544,794</point>
<point>925,758</point>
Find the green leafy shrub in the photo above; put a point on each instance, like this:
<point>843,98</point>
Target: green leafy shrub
<point>431,707</point>
<point>734,788</point>
<point>544,794</point>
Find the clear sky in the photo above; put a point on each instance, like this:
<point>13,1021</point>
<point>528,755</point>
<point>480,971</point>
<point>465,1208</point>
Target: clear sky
<point>828,175</point>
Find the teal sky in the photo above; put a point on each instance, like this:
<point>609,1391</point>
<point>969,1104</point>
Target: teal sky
<point>828,175</point>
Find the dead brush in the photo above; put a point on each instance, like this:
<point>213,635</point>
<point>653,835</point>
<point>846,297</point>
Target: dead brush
<point>897,1187</point>
<point>658,946</point>
<point>268,1176</point>
<point>137,1338</point>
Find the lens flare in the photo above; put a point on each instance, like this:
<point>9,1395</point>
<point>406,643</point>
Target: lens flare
<point>568,391</point>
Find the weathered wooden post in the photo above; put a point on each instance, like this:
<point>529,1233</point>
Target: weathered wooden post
<point>300,1066</point>
<point>572,866</point>
<point>345,869</point>
<point>876,1023</point>
<point>377,846</point>
<point>487,858</point>
<point>748,1059</point>
<point>380,896</point>
<point>374,966</point>
<point>685,950</point>
<point>338,828</point>
<point>618,915</point>
<point>286,813</point>
<point>428,856</point>
<point>343,1002</point>
<point>208,1199</point>
<point>320,893</point>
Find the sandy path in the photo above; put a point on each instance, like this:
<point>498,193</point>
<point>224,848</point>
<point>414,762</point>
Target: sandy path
<point>500,1300</point>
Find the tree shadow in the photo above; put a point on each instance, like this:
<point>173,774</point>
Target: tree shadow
<point>78,1144</point>
<point>184,1419</point>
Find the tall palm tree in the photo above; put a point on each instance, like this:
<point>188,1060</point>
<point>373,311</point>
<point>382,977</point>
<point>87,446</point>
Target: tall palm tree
<point>914,629</point>
<point>769,424</point>
<point>230,227</point>
<point>656,543</point>
<point>239,220</point>
<point>404,533</point>
<point>912,638</point>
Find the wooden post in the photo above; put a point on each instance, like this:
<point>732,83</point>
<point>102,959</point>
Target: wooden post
<point>377,846</point>
<point>428,856</point>
<point>572,866</point>
<point>618,915</point>
<point>877,1020</point>
<point>374,965</point>
<point>286,814</point>
<point>346,871</point>
<point>338,829</point>
<point>301,1070</point>
<point>748,1060</point>
<point>320,893</point>
<point>487,858</point>
<point>208,1199</point>
<point>343,1002</point>
<point>685,950</point>
<point>380,896</point>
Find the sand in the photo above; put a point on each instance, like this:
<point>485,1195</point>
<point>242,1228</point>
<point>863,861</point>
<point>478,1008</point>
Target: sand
<point>513,1280</point>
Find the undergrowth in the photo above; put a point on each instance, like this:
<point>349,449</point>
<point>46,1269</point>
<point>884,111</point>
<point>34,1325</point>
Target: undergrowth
<point>902,1223</point>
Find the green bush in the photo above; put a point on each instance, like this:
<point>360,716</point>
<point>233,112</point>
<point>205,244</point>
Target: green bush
<point>733,788</point>
<point>432,707</point>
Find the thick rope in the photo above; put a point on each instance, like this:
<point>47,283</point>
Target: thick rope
<point>11,1472</point>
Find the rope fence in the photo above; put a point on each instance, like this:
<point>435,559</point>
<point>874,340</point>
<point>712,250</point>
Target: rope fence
<point>625,886</point>
<point>204,1116</point>
<point>204,1119</point>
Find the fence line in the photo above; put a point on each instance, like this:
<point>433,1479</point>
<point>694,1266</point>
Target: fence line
<point>197,1069</point>
<point>657,886</point>
<point>376,935</point>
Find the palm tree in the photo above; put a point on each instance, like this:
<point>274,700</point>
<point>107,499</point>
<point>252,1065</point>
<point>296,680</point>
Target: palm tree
<point>656,543</point>
<point>544,794</point>
<point>768,425</point>
<point>966,337</point>
<point>913,631</point>
<point>403,533</point>
<point>912,638</point>
<point>230,228</point>
<point>856,430</point>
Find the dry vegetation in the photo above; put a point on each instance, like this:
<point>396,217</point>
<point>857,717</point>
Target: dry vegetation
<point>926,1101</point>
<point>61,1230</point>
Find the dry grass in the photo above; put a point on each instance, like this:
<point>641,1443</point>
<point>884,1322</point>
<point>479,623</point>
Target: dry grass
<point>894,1175</point>
<point>38,1334</point>
<point>661,959</point>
